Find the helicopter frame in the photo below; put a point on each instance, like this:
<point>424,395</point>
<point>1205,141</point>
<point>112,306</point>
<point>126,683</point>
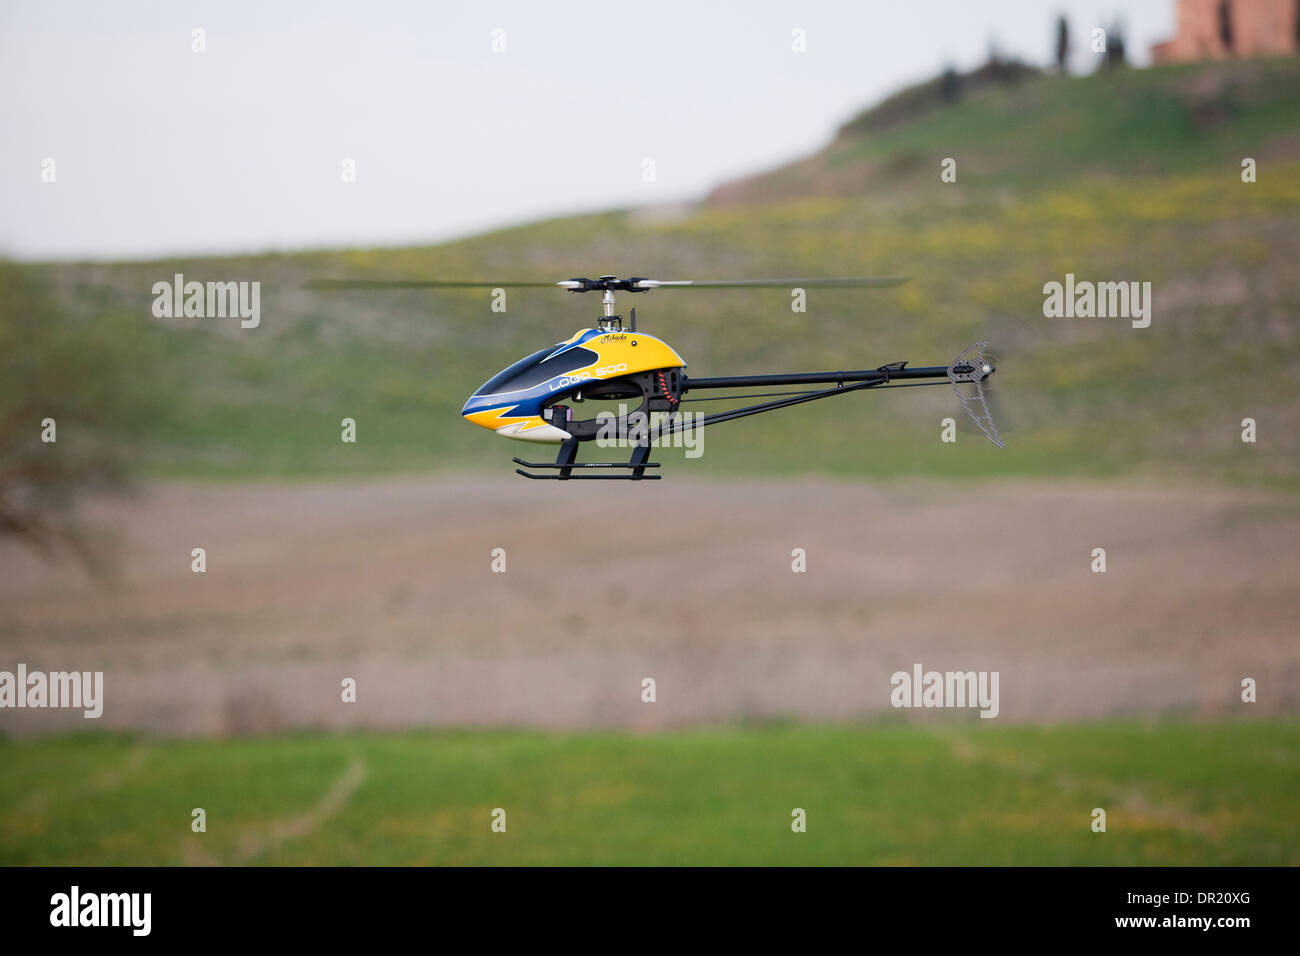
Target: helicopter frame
<point>893,375</point>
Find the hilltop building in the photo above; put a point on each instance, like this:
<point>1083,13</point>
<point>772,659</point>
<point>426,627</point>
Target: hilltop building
<point>1218,29</point>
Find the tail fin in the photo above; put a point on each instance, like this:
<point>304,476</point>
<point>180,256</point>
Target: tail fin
<point>971,368</point>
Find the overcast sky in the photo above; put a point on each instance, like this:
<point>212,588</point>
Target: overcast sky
<point>160,150</point>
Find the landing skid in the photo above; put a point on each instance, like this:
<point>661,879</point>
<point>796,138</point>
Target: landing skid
<point>566,464</point>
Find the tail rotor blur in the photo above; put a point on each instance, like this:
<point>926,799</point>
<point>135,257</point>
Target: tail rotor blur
<point>969,373</point>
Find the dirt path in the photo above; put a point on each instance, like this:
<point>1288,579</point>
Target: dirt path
<point>390,582</point>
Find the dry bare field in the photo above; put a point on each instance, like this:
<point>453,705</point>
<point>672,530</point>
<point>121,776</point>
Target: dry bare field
<point>689,582</point>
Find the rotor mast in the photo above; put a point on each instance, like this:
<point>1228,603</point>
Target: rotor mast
<point>609,321</point>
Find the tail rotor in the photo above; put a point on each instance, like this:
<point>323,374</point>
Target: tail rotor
<point>968,374</point>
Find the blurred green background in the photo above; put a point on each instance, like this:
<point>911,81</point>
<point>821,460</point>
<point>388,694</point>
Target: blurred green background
<point>1130,175</point>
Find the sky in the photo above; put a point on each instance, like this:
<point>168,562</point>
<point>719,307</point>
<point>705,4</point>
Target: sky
<point>456,117</point>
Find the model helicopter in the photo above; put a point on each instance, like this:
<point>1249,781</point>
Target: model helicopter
<point>534,399</point>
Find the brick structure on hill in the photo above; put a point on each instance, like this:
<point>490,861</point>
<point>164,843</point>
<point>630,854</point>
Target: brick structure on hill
<point>1217,29</point>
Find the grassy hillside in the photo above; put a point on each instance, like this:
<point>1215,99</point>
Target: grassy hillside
<point>1128,176</point>
<point>1025,131</point>
<point>961,795</point>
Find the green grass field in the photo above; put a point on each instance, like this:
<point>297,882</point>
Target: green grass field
<point>884,793</point>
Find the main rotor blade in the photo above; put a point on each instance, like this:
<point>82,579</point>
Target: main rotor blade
<point>426,284</point>
<point>841,282</point>
<point>614,283</point>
